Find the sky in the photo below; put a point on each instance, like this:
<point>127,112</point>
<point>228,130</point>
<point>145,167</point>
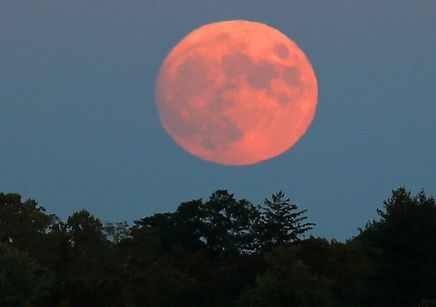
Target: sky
<point>79,126</point>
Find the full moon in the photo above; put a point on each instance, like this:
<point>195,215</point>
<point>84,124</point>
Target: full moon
<point>236,92</point>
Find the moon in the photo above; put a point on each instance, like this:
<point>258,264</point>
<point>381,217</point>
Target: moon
<point>236,92</point>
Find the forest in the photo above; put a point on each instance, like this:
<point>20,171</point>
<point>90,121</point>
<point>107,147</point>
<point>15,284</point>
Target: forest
<point>220,251</point>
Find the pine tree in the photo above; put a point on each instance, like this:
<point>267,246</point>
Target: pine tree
<point>281,222</point>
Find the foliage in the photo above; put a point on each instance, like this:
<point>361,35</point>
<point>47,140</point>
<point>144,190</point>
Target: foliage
<point>22,280</point>
<point>217,252</point>
<point>222,225</point>
<point>401,247</point>
<point>288,281</point>
<point>280,224</point>
<point>23,223</point>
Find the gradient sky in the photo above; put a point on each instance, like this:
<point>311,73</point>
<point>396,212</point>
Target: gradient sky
<point>79,126</point>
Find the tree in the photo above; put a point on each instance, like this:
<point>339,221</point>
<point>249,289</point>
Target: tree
<point>288,281</point>
<point>222,225</point>
<point>23,224</point>
<point>401,247</point>
<point>226,224</point>
<point>90,268</point>
<point>84,229</point>
<point>281,222</point>
<point>170,230</point>
<point>196,256</point>
<point>115,232</point>
<point>22,280</point>
<point>220,251</point>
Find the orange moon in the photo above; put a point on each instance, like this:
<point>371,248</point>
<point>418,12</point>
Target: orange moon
<point>236,92</point>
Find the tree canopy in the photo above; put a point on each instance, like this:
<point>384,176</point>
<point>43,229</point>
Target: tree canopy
<point>215,252</point>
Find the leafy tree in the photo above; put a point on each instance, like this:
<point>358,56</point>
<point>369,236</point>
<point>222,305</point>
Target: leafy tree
<point>23,224</point>
<point>222,225</point>
<point>91,268</point>
<point>288,281</point>
<point>281,222</point>
<point>199,233</point>
<point>343,264</point>
<point>170,229</point>
<point>157,276</point>
<point>84,229</point>
<point>115,232</point>
<point>22,281</point>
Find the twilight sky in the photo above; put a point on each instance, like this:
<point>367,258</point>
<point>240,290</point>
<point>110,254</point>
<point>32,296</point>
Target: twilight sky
<point>79,126</point>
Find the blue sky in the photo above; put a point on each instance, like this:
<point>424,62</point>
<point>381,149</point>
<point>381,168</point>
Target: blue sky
<point>79,126</point>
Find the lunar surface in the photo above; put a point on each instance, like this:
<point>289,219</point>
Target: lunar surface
<point>236,93</point>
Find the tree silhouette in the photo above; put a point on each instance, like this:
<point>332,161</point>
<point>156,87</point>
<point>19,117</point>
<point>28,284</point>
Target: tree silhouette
<point>288,281</point>
<point>401,247</point>
<point>23,224</point>
<point>222,224</point>
<point>22,281</point>
<point>226,224</point>
<point>217,252</point>
<point>281,222</point>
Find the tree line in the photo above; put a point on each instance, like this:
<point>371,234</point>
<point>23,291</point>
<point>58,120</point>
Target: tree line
<point>221,251</point>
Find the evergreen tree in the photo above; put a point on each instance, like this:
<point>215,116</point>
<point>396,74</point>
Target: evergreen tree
<point>281,222</point>
<point>401,247</point>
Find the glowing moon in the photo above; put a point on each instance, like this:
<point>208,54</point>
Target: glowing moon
<point>236,92</point>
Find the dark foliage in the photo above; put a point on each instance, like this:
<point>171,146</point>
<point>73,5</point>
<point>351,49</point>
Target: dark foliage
<point>280,223</point>
<point>401,248</point>
<point>217,252</point>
